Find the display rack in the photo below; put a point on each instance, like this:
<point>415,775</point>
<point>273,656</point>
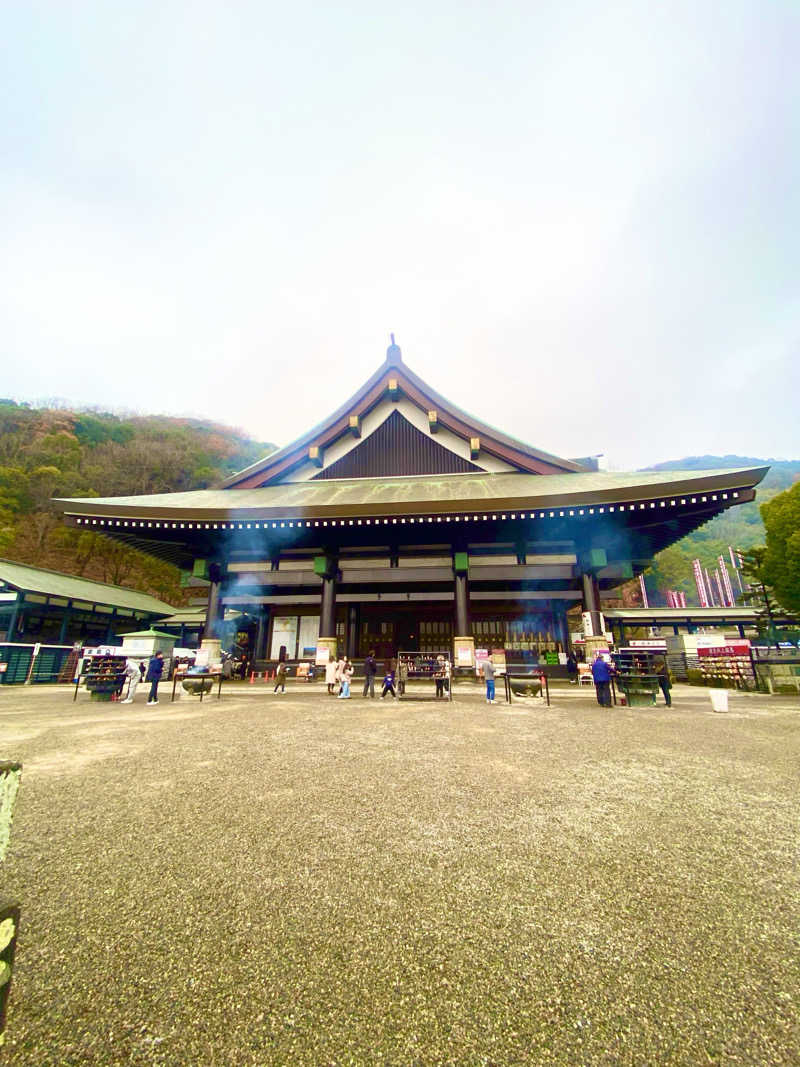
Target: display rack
<point>636,676</point>
<point>103,675</point>
<point>727,666</point>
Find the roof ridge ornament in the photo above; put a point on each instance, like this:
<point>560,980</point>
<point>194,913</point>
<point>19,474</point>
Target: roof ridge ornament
<point>393,353</point>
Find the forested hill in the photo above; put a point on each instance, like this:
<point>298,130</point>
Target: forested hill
<point>782,472</point>
<point>740,526</point>
<point>46,452</point>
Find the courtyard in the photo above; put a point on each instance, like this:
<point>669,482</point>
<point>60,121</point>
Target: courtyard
<point>303,880</point>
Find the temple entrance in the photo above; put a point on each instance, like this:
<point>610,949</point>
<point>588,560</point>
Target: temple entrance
<point>387,629</point>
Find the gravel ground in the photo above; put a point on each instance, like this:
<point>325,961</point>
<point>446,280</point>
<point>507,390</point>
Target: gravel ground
<point>301,880</point>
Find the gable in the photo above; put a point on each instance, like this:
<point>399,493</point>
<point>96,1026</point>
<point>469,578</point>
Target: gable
<point>317,453</point>
<point>397,448</point>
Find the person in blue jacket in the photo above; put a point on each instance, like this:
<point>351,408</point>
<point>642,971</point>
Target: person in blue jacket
<point>154,671</point>
<point>601,672</point>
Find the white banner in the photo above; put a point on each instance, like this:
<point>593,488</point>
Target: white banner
<point>284,632</point>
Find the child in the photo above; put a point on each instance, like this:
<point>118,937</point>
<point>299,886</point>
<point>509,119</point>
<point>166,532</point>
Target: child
<point>347,674</point>
<point>388,683</point>
<point>280,678</point>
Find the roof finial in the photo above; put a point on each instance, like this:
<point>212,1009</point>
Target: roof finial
<point>393,353</point>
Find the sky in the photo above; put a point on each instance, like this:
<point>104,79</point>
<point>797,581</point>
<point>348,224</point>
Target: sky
<point>580,220</point>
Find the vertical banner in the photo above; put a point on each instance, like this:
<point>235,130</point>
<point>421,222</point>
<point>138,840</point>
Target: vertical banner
<point>643,587</point>
<point>718,583</point>
<point>726,582</point>
<point>712,600</point>
<point>702,595</point>
<point>736,563</point>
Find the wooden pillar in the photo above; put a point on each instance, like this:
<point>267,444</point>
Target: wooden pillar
<point>561,628</point>
<point>13,622</point>
<point>351,633</point>
<point>462,605</point>
<point>591,560</point>
<point>215,612</point>
<point>463,643</point>
<point>591,592</point>
<point>261,634</point>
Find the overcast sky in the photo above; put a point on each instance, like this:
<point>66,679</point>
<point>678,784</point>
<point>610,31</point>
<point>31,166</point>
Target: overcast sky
<point>581,220</point>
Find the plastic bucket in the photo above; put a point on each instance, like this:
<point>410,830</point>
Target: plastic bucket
<point>719,699</point>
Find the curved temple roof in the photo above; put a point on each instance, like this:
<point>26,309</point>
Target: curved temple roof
<point>439,495</point>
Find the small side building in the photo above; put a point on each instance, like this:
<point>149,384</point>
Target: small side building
<point>46,607</point>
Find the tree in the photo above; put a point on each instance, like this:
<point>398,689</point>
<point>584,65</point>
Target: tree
<point>760,595</point>
<point>782,563</point>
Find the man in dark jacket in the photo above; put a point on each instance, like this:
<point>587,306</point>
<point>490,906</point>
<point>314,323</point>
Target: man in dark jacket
<point>662,672</point>
<point>370,670</point>
<point>154,671</point>
<point>601,672</point>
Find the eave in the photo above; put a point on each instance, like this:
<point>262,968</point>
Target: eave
<point>439,496</point>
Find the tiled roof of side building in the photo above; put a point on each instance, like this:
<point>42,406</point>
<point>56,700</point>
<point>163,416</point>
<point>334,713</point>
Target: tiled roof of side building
<point>53,583</point>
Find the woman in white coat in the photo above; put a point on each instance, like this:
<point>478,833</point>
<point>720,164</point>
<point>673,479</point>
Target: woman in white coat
<point>330,675</point>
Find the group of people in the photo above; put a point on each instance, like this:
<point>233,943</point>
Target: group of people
<point>339,674</point>
<point>135,672</point>
<point>602,671</point>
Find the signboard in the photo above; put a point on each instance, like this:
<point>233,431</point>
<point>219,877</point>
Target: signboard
<point>322,657</point>
<point>201,657</point>
<point>588,626</point>
<point>649,643</point>
<point>734,648</point>
<point>464,657</point>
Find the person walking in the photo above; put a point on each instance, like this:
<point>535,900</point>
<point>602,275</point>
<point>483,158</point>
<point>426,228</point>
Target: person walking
<point>662,673</point>
<point>280,678</point>
<point>370,670</point>
<point>133,674</point>
<point>347,674</point>
<point>488,677</point>
<point>155,669</point>
<point>601,673</point>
